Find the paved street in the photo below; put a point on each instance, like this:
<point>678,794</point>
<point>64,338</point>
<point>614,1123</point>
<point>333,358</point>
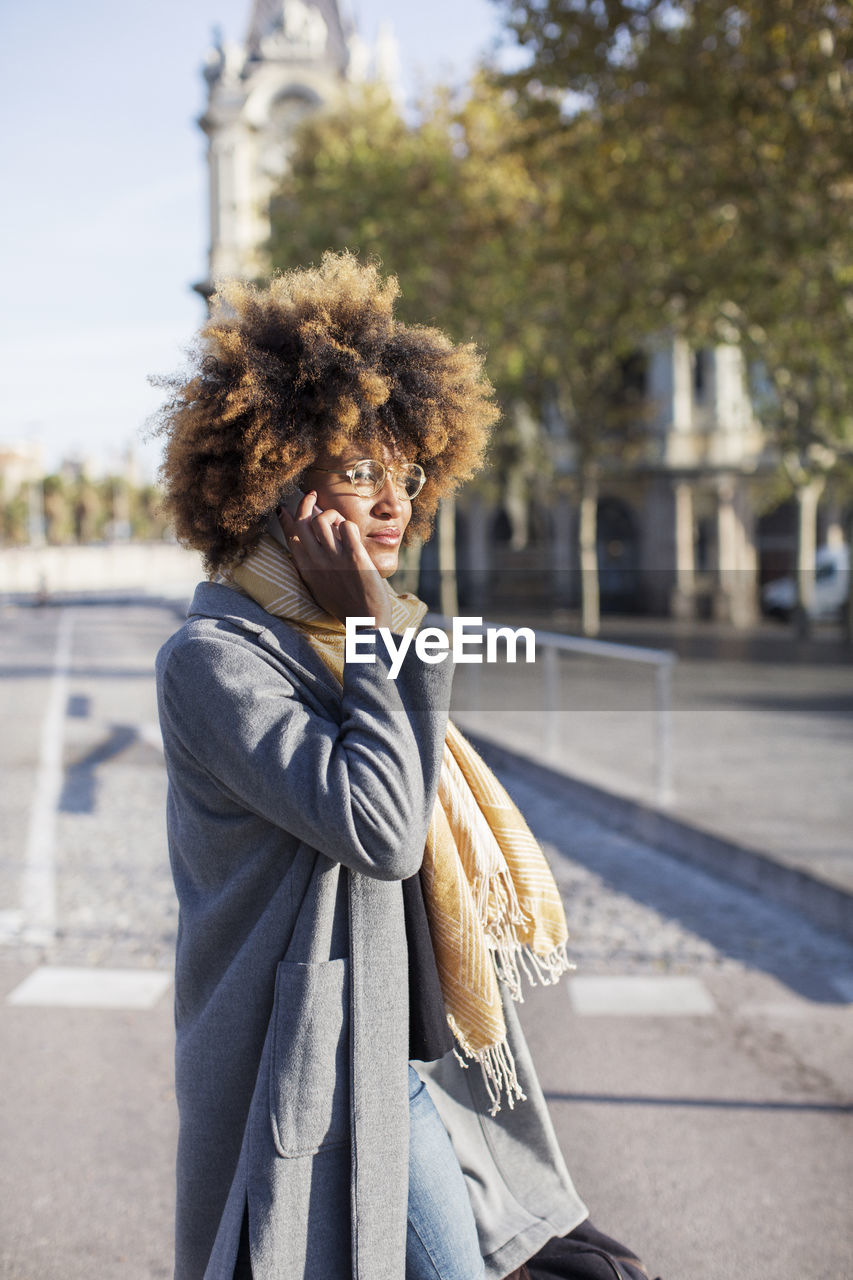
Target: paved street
<point>697,1062</point>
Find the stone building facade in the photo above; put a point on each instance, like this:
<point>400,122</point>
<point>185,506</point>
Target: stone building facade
<point>296,57</point>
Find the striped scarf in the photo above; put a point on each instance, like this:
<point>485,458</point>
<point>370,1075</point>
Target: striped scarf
<point>494,910</point>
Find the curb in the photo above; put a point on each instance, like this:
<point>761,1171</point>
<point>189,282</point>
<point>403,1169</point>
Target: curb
<point>826,905</point>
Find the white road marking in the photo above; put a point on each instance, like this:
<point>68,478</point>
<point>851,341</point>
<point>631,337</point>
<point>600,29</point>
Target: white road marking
<point>638,995</point>
<point>11,923</point>
<point>38,888</point>
<point>72,988</point>
<point>150,733</point>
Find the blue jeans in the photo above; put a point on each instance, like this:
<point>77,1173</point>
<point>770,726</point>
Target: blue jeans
<point>441,1241</point>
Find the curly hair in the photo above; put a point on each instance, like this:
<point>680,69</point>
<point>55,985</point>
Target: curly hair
<point>309,363</point>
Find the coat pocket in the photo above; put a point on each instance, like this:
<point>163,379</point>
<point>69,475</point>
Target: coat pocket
<point>309,1071</point>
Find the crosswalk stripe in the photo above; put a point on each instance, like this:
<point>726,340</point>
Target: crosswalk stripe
<point>53,986</point>
<point>640,995</point>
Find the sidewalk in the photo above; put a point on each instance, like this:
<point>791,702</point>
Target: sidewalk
<point>762,741</point>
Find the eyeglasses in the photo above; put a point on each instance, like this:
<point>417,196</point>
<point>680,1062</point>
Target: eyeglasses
<point>367,477</point>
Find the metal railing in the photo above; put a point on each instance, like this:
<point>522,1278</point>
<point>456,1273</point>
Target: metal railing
<point>552,643</point>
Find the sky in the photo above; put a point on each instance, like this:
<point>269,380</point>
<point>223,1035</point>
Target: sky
<point>103,221</point>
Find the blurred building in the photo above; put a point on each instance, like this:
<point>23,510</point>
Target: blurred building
<point>297,56</point>
<point>678,530</point>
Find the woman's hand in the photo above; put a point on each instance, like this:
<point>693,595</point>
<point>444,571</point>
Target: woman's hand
<point>334,564</point>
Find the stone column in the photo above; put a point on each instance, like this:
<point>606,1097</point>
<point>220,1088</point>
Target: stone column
<point>746,599</point>
<point>683,600</point>
<point>734,594</point>
<point>230,197</point>
<point>727,544</point>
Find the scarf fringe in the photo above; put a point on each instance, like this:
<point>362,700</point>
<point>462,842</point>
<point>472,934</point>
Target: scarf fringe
<point>496,1061</point>
<point>512,959</point>
<point>500,1075</point>
<point>496,900</point>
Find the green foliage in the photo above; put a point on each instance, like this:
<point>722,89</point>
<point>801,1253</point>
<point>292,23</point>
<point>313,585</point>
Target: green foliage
<point>147,520</point>
<point>89,513</point>
<point>492,226</point>
<point>57,510</point>
<point>442,204</point>
<point>14,520</point>
<point>79,510</point>
<point>726,148</point>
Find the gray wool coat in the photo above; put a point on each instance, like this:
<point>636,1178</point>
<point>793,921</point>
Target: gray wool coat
<point>295,810</point>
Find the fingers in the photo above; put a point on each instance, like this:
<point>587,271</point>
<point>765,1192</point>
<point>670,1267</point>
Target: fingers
<point>294,525</point>
<point>316,532</point>
<point>350,537</point>
<point>321,541</point>
<point>305,509</point>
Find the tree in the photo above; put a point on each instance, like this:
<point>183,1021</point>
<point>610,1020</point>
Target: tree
<point>443,202</point>
<point>15,519</point>
<point>146,515</point>
<point>89,512</point>
<point>589,301</point>
<point>728,130</point>
<point>439,202</point>
<point>472,208</point>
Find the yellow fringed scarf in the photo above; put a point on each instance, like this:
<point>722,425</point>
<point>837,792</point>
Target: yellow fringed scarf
<point>493,907</point>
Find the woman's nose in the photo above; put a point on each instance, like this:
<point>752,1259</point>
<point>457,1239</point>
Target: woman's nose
<point>389,496</point>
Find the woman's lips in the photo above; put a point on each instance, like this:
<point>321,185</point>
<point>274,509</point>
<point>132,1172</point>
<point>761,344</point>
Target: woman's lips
<point>389,537</point>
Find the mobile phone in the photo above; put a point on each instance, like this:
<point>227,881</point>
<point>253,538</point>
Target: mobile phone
<point>292,499</point>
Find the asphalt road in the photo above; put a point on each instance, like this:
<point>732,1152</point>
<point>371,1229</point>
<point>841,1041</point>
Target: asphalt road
<point>697,1062</point>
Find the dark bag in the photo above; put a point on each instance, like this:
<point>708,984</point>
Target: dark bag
<point>584,1254</point>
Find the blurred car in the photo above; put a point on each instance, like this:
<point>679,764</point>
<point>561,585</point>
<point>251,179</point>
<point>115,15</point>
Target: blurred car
<point>831,588</point>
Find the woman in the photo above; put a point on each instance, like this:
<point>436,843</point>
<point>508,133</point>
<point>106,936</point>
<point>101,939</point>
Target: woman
<point>357,892</point>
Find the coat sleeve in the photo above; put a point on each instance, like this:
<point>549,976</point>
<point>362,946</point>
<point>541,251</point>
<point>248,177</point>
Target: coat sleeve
<point>360,790</point>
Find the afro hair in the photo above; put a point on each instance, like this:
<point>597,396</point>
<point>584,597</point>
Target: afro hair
<point>309,363</point>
